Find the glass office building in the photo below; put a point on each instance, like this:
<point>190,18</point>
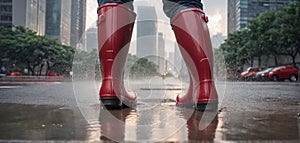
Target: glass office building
<point>58,20</point>
<point>5,13</point>
<point>78,18</point>
<point>146,32</point>
<point>241,11</point>
<point>35,15</point>
<point>91,39</point>
<point>26,13</point>
<point>161,52</point>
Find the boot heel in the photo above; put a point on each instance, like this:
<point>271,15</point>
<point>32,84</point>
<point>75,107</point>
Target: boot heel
<point>111,103</point>
<point>213,106</point>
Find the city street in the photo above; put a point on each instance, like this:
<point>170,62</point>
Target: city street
<point>70,111</point>
<point>55,54</point>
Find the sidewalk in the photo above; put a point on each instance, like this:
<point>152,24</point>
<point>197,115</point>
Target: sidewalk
<point>34,79</point>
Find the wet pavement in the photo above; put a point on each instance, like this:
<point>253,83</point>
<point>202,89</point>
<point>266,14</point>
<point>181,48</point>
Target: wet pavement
<point>255,111</point>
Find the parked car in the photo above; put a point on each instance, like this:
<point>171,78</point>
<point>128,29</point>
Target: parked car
<point>52,74</point>
<point>264,74</point>
<point>14,73</point>
<point>250,73</point>
<point>284,72</point>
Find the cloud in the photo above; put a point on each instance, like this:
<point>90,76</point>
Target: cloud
<point>216,10</point>
<point>91,13</point>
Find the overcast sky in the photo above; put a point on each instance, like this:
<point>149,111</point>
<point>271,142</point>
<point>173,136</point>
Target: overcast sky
<point>217,12</point>
<point>215,9</point>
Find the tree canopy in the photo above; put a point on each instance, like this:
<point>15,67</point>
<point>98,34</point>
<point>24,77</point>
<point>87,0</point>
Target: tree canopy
<point>26,49</point>
<point>272,33</point>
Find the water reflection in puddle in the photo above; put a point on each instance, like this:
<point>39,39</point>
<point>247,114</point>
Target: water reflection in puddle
<point>133,125</point>
<point>42,122</point>
<point>156,118</point>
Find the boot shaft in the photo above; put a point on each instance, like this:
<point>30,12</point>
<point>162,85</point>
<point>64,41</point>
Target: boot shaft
<point>115,25</point>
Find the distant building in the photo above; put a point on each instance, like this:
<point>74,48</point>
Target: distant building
<point>169,66</point>
<point>161,52</point>
<point>241,11</point>
<point>179,62</point>
<point>6,13</point>
<point>26,13</point>
<point>171,57</point>
<point>78,18</point>
<point>217,40</point>
<point>91,39</point>
<point>146,32</point>
<point>233,15</point>
<point>58,20</point>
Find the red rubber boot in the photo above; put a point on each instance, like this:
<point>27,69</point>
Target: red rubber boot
<point>193,37</point>
<point>115,25</point>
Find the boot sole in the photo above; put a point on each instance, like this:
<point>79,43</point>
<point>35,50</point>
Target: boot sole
<point>114,103</point>
<point>213,106</point>
<point>111,103</point>
<point>188,105</point>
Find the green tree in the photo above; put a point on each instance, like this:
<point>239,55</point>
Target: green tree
<point>236,49</point>
<point>141,67</point>
<point>86,65</point>
<point>271,33</point>
<point>288,21</point>
<point>260,36</point>
<point>7,42</point>
<point>60,59</point>
<point>34,52</point>
<point>23,50</point>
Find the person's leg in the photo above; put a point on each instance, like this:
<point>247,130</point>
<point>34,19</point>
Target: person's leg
<point>189,25</point>
<point>115,25</point>
<point>172,7</point>
<point>128,3</point>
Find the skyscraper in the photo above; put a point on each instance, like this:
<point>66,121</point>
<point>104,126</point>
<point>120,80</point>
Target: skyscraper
<point>217,40</point>
<point>6,13</point>
<point>91,39</point>
<point>233,15</point>
<point>26,13</point>
<point>78,18</point>
<point>179,62</point>
<point>161,52</point>
<point>171,58</point>
<point>241,11</point>
<point>58,20</point>
<point>146,32</point>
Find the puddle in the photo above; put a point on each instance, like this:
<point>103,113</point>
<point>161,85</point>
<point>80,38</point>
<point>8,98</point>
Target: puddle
<point>40,122</point>
<point>262,117</point>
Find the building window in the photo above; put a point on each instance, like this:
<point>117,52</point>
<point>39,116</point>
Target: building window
<point>6,25</point>
<point>6,1</point>
<point>6,18</point>
<point>6,8</point>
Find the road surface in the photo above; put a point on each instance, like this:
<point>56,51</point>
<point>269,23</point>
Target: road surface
<point>70,111</point>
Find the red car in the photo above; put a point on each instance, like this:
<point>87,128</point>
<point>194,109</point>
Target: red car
<point>284,72</point>
<point>52,74</point>
<point>250,73</point>
<point>15,73</point>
